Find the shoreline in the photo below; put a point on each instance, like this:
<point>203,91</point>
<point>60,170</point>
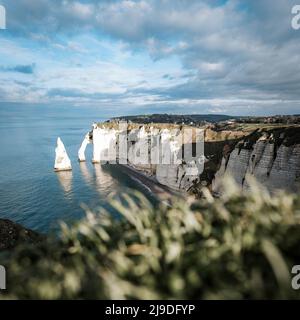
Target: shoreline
<point>161,192</point>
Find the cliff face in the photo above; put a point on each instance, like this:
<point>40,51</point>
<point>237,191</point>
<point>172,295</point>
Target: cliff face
<point>175,176</point>
<point>154,150</point>
<point>273,158</point>
<point>286,169</point>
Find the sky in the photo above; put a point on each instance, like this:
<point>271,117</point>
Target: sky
<point>238,57</point>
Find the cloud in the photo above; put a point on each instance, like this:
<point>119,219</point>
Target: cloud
<point>75,93</point>
<point>235,52</point>
<point>25,69</point>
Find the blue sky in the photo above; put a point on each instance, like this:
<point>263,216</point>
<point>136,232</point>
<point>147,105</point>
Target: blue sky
<point>236,57</point>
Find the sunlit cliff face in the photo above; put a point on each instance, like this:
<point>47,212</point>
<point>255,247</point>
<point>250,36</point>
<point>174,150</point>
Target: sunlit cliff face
<point>165,153</point>
<point>270,155</point>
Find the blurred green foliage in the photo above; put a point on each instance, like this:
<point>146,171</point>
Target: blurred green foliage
<point>240,246</point>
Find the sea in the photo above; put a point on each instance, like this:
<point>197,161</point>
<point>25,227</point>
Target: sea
<point>31,193</point>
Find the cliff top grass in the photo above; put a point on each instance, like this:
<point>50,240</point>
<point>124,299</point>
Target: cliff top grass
<point>239,246</point>
<point>286,135</point>
<point>214,134</point>
<point>132,126</point>
<point>210,134</point>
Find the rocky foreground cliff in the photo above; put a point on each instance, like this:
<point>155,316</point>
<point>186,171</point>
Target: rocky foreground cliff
<point>271,154</point>
<point>13,234</point>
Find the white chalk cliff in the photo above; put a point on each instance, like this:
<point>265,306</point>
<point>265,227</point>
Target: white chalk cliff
<point>104,145</point>
<point>81,151</point>
<point>273,161</point>
<point>62,161</point>
<point>166,166</point>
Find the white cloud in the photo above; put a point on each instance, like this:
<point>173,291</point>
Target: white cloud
<point>245,50</point>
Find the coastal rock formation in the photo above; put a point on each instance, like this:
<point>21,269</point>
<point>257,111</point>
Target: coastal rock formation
<point>105,144</point>
<point>284,171</point>
<point>271,155</point>
<point>81,151</point>
<point>62,161</point>
<point>138,148</point>
<point>272,161</point>
<point>176,177</point>
<point>238,163</point>
<point>156,152</point>
<point>12,234</point>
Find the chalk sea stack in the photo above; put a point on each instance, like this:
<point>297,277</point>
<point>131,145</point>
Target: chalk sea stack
<point>62,160</point>
<point>81,151</point>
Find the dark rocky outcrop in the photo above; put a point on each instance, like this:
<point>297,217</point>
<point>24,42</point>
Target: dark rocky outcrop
<point>13,234</point>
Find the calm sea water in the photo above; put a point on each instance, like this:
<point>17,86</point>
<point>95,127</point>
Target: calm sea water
<point>30,192</point>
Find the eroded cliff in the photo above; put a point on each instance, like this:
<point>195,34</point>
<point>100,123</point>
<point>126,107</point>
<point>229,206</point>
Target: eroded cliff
<point>272,157</point>
<point>270,154</point>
